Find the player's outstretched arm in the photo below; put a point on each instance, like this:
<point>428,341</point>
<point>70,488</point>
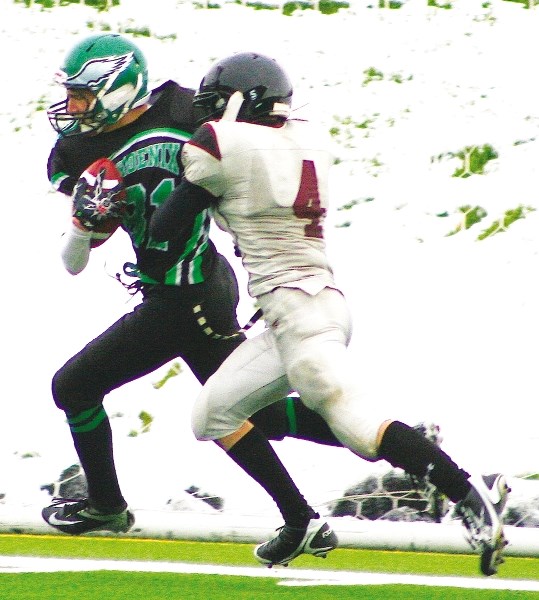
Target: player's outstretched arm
<point>172,220</point>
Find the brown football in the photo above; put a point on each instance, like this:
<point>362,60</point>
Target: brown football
<point>110,179</point>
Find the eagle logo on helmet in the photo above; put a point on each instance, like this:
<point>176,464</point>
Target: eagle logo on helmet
<point>97,70</point>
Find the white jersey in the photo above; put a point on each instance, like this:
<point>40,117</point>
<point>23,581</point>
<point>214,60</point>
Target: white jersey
<point>272,188</point>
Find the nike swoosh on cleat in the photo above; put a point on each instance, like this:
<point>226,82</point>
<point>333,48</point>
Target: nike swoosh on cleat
<point>54,521</point>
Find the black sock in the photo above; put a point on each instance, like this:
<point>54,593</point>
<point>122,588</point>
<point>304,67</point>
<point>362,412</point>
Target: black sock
<point>407,449</point>
<point>289,417</point>
<point>254,454</point>
<point>272,420</point>
<point>305,424</point>
<point>92,437</point>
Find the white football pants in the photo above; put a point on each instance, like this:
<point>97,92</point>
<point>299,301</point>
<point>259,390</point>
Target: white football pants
<point>304,349</point>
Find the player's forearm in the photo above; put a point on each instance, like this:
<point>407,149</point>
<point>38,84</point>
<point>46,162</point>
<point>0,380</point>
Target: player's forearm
<point>76,249</point>
<point>173,219</point>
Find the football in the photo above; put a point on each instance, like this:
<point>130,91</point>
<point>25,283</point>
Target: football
<point>99,200</point>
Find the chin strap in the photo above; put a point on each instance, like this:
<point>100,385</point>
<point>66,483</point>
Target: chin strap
<point>233,107</point>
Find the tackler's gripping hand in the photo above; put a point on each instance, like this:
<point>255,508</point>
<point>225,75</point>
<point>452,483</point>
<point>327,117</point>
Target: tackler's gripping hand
<point>99,198</point>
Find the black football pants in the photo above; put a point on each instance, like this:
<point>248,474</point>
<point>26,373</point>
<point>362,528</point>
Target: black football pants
<point>161,328</point>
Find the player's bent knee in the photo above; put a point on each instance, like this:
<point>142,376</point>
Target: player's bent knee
<point>317,384</point>
<point>60,392</point>
<point>70,394</point>
<point>200,418</point>
<point>212,418</point>
<point>329,392</point>
<point>198,422</point>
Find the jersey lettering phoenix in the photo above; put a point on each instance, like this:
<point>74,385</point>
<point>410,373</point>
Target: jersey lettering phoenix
<point>147,153</point>
<point>263,176</point>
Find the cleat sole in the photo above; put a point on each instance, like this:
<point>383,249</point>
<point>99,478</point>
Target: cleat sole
<point>491,558</point>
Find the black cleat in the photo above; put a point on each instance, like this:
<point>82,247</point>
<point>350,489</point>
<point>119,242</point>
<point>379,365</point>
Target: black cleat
<point>78,516</point>
<point>317,539</point>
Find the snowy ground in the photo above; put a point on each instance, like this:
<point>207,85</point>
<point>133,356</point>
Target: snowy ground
<point>446,328</point>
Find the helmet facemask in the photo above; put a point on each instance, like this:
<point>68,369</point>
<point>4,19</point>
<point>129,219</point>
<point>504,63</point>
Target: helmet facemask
<point>209,106</point>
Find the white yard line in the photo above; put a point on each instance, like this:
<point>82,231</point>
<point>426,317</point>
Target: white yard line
<point>288,577</point>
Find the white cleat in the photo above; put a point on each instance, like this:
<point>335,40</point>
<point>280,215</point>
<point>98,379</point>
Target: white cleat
<point>481,512</point>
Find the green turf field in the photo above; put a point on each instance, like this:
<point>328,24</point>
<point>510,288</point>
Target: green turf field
<point>124,585</point>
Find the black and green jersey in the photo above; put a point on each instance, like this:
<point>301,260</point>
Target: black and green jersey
<point>147,153</point>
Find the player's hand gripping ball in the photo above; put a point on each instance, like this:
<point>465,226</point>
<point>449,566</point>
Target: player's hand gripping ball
<point>99,197</point>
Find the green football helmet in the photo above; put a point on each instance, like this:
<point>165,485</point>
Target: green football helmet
<point>114,70</point>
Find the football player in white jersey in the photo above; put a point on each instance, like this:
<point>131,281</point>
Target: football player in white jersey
<point>265,177</point>
<point>109,111</point>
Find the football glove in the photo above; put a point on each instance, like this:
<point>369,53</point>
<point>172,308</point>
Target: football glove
<point>99,196</point>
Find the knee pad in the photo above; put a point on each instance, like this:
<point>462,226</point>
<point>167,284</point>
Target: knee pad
<point>326,384</point>
<point>199,416</point>
<point>70,393</point>
<point>316,380</point>
<point>207,421</point>
<point>58,386</point>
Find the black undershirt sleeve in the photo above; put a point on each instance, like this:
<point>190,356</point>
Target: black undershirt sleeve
<point>174,218</point>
